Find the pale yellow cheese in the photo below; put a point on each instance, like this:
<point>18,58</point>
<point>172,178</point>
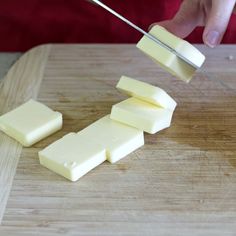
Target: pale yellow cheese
<point>76,154</point>
<point>142,115</point>
<point>30,122</point>
<point>167,59</point>
<point>146,92</point>
<point>72,156</point>
<point>118,139</point>
<point>113,136</point>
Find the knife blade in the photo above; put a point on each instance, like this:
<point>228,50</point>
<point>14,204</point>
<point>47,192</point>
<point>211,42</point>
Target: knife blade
<point>150,36</point>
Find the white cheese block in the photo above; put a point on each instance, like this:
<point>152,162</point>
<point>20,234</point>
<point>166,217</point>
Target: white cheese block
<point>30,123</point>
<point>72,156</point>
<point>118,139</point>
<point>167,59</point>
<point>146,92</point>
<point>142,115</point>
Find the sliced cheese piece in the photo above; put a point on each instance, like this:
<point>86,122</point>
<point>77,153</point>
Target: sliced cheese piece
<point>167,59</point>
<point>118,139</point>
<point>72,156</point>
<point>146,92</point>
<point>181,46</point>
<point>142,115</point>
<point>30,122</point>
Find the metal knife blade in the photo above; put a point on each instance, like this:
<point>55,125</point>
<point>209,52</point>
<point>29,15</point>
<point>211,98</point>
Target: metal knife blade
<point>150,36</point>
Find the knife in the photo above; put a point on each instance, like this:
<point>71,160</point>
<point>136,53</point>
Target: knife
<point>150,36</point>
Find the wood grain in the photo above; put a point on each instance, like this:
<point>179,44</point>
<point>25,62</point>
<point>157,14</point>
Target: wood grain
<point>21,83</point>
<point>182,182</point>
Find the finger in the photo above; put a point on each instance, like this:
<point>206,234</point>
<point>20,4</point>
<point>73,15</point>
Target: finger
<point>185,20</point>
<point>217,21</point>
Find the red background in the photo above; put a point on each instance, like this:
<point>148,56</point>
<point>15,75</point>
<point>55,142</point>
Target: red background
<point>27,23</point>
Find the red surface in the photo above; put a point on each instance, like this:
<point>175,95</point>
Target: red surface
<point>27,23</point>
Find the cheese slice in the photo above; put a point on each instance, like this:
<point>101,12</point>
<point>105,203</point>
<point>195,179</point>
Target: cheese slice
<point>118,139</point>
<point>72,156</point>
<point>142,115</point>
<point>146,92</point>
<point>76,154</point>
<point>30,122</point>
<point>167,59</point>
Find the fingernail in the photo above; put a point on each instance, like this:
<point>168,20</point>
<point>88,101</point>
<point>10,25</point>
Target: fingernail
<point>212,38</point>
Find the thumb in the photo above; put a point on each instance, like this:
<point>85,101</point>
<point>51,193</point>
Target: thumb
<point>218,21</point>
<point>185,20</point>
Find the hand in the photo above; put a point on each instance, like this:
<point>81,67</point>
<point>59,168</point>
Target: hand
<point>213,14</point>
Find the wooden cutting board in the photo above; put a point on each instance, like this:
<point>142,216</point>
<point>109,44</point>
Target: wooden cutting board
<point>182,182</point>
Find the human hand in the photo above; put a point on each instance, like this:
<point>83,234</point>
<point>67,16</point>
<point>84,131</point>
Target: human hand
<point>213,14</point>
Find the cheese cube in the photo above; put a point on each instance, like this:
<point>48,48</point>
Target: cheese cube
<point>146,92</point>
<point>72,156</point>
<point>30,122</point>
<point>142,115</point>
<point>167,59</point>
<point>118,139</point>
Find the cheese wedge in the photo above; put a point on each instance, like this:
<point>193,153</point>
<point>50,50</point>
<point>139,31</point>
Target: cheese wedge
<point>167,59</point>
<point>118,139</point>
<point>146,92</point>
<point>142,115</point>
<point>72,156</point>
<point>30,122</point>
